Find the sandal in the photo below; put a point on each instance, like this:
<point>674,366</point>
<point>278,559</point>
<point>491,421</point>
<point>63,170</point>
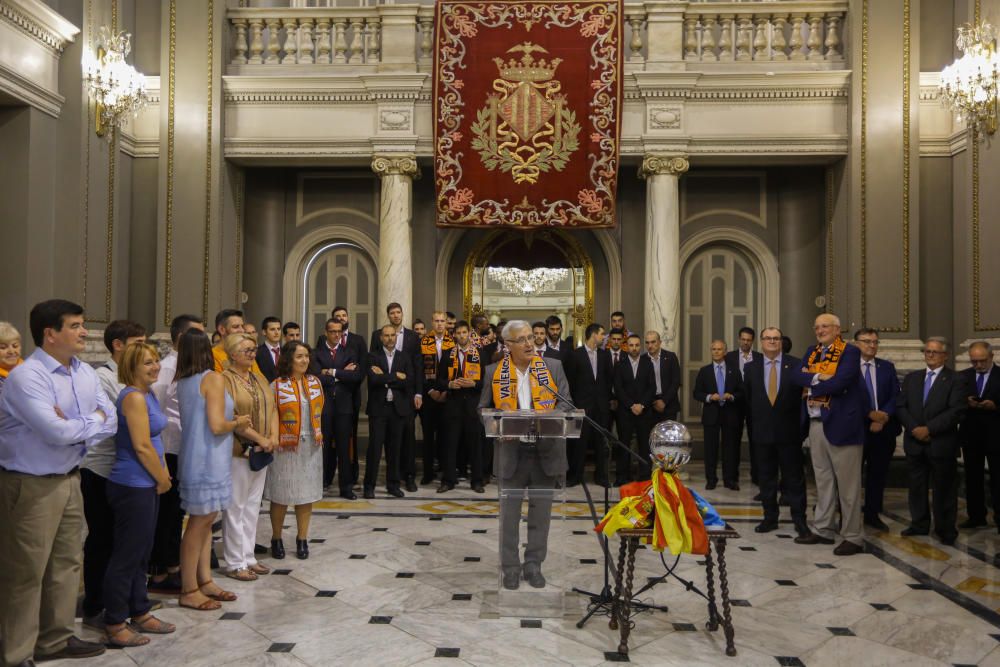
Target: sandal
<point>242,574</point>
<point>210,604</point>
<point>133,638</point>
<point>221,595</point>
<point>260,568</point>
<point>151,625</point>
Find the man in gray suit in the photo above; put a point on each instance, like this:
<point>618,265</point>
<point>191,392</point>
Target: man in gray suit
<point>528,462</point>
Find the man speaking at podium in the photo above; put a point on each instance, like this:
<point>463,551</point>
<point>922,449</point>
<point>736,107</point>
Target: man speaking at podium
<point>522,380</point>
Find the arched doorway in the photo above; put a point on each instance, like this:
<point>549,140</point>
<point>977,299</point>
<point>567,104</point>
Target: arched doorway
<point>516,275</point>
<point>338,274</point>
<point>719,296</point>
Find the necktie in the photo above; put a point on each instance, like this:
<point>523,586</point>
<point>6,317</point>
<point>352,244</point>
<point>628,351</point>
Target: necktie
<point>614,357</point>
<point>980,383</point>
<point>772,382</point>
<point>869,386</point>
<point>927,384</point>
<point>274,351</point>
<point>461,364</point>
<point>720,381</point>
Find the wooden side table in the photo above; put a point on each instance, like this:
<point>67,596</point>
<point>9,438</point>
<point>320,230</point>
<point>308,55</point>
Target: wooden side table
<point>621,608</point>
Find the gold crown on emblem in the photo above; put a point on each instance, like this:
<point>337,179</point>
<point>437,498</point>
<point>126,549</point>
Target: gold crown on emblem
<point>528,69</point>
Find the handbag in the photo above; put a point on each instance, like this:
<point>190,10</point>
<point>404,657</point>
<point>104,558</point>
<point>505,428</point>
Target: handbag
<point>258,459</point>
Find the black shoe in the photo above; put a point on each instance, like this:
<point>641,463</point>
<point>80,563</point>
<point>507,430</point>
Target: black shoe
<point>621,482</point>
<point>395,492</point>
<point>876,523</point>
<point>571,482</point>
<point>533,575</point>
<point>259,549</point>
<point>733,486</point>
<point>427,479</point>
<point>822,540</point>
<point>445,487</point>
<point>27,662</point>
<point>75,648</point>
<point>711,484</point>
<point>301,549</point>
<point>602,481</point>
<point>972,523</point>
<point>349,495</point>
<point>809,537</point>
<point>478,488</point>
<point>911,531</point>
<point>765,526</point>
<point>846,548</point>
<point>949,541</point>
<point>410,486</point>
<point>511,578</point>
<point>171,585</point>
<point>757,498</point>
<point>277,549</point>
<point>368,493</point>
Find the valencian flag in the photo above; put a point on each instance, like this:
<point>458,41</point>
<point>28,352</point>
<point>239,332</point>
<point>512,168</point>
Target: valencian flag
<point>527,112</point>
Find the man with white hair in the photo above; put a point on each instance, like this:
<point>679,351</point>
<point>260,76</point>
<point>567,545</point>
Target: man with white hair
<point>523,380</point>
<point>835,404</point>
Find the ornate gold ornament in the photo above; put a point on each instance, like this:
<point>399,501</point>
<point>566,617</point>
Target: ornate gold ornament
<point>525,129</point>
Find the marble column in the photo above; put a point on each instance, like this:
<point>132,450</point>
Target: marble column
<point>663,232</point>
<point>395,245</point>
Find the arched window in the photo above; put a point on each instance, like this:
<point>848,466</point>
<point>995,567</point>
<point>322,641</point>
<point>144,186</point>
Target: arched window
<point>338,274</point>
<point>719,297</point>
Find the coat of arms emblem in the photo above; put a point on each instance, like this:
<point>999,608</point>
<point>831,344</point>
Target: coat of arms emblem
<point>525,128</point>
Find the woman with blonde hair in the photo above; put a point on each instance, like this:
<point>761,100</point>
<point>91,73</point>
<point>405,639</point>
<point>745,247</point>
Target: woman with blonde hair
<point>138,477</point>
<point>296,476</point>
<point>10,350</point>
<point>252,397</point>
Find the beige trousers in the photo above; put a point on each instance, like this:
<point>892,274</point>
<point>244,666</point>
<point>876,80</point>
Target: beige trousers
<point>838,481</point>
<point>41,552</point>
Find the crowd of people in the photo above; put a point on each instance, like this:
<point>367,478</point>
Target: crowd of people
<point>224,421</point>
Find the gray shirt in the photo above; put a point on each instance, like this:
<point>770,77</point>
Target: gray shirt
<point>101,457</point>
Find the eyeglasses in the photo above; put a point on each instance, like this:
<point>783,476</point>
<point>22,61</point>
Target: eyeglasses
<point>521,341</point>
<point>934,352</point>
<point>770,339</point>
<point>249,351</point>
<point>867,341</point>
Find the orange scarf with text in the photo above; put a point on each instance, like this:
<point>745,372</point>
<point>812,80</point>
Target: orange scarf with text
<point>428,347</point>
<point>286,392</point>
<point>472,368</point>
<point>827,366</point>
<point>505,385</point>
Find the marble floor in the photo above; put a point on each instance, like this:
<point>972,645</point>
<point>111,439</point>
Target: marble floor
<point>413,582</point>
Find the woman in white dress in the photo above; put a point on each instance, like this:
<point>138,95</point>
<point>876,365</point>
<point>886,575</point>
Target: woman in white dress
<point>296,475</point>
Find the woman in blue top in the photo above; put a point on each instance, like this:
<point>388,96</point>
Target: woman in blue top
<point>204,462</point>
<point>137,478</point>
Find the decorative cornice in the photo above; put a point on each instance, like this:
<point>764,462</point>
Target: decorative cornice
<point>138,147</point>
<point>312,97</point>
<point>672,165</point>
<point>12,83</point>
<point>40,22</point>
<point>405,165</point>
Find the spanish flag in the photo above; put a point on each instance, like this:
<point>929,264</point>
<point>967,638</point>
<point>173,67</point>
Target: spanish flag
<point>679,526</point>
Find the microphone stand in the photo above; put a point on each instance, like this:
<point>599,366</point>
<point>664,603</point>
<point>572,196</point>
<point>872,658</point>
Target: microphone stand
<point>604,600</point>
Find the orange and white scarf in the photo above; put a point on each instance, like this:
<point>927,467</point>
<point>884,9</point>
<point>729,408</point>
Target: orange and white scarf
<point>286,392</point>
<point>505,385</point>
<point>827,366</point>
<point>472,368</point>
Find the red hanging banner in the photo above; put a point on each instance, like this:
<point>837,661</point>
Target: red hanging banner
<point>527,113</point>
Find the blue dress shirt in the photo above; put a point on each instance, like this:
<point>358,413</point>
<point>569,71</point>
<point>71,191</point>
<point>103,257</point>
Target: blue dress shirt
<point>34,439</point>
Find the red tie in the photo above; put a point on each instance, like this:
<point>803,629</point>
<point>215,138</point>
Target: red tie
<point>274,351</point>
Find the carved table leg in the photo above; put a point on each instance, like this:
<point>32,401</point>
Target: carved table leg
<point>616,601</point>
<point>727,619</point>
<point>625,613</point>
<point>713,610</point>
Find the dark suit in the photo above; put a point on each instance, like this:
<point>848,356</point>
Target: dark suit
<point>979,435</point>
<point>461,425</point>
<point>591,393</point>
<point>265,361</point>
<point>733,359</point>
<point>835,443</point>
<point>357,343</point>
<point>339,390</point>
<point>564,351</point>
<point>431,412</point>
<point>879,447</point>
<point>670,386</point>
<point>387,419</point>
<point>933,464</point>
<point>631,388</point>
<point>521,466</point>
<point>410,348</point>
<point>721,422</point>
<point>777,431</point>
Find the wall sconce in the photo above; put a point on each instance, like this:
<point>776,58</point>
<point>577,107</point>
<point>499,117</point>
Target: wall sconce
<point>969,85</point>
<point>118,90</point>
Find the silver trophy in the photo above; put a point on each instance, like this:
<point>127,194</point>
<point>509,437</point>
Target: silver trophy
<point>670,446</point>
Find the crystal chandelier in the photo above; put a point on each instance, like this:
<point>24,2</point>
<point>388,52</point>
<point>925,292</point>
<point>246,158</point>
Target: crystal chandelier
<point>969,85</point>
<point>526,283</point>
<point>116,87</point>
